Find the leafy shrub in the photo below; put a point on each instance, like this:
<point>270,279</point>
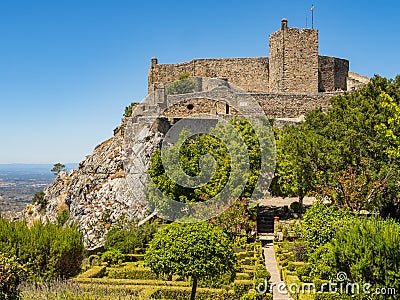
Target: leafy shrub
<point>133,257</point>
<point>129,109</point>
<point>250,247</point>
<point>121,240</point>
<point>63,217</point>
<point>303,272</point>
<point>49,251</point>
<point>112,257</point>
<point>320,285</point>
<point>299,251</point>
<point>320,224</point>
<point>116,281</point>
<point>323,262</point>
<point>240,242</point>
<point>369,250</point>
<point>250,253</point>
<point>130,237</point>
<point>183,293</point>
<point>38,198</point>
<point>11,275</point>
<point>262,272</point>
<point>236,221</point>
<point>242,276</point>
<point>254,295</point>
<point>247,261</point>
<point>199,250</point>
<point>223,280</point>
<point>241,255</point>
<point>182,85</point>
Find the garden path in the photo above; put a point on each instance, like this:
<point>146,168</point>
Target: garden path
<point>279,290</point>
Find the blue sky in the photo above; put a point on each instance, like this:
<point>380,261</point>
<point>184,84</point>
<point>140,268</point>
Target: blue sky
<point>68,68</point>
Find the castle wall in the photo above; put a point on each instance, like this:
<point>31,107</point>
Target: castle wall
<point>356,81</point>
<point>293,60</point>
<point>293,67</point>
<point>333,73</point>
<point>198,106</point>
<point>291,105</point>
<point>251,74</point>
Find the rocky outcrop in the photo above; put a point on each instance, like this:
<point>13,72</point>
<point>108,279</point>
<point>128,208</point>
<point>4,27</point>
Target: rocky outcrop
<point>97,194</point>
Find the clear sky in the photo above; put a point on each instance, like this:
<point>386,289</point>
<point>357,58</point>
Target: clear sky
<point>68,68</point>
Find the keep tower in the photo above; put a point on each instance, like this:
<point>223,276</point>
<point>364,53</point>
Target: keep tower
<point>293,61</point>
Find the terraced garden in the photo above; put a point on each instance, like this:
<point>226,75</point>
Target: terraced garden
<point>133,278</point>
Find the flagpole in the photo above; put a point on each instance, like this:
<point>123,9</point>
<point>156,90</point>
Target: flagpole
<point>312,16</point>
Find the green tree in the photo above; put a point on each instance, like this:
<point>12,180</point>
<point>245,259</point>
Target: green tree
<point>198,250</point>
<point>296,171</point>
<point>347,141</point>
<point>237,173</point>
<point>389,130</point>
<point>182,85</point>
<point>57,168</point>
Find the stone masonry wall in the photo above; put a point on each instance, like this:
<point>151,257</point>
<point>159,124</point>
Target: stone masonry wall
<point>293,60</point>
<point>291,105</point>
<point>198,106</point>
<point>251,74</point>
<point>333,73</point>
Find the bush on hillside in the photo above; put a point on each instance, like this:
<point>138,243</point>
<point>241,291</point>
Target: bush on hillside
<point>49,251</point>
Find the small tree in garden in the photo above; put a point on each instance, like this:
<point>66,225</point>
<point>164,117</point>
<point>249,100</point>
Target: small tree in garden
<point>198,250</point>
<point>236,219</point>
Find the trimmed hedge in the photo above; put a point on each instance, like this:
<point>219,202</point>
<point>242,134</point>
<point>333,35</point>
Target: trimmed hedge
<point>243,276</point>
<point>183,293</point>
<point>129,272</point>
<point>247,261</point>
<point>241,255</point>
<point>107,281</point>
<point>134,257</point>
<point>94,272</point>
<point>327,296</point>
<point>241,287</point>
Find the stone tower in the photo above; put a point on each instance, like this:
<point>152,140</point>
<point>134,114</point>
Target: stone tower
<point>293,61</point>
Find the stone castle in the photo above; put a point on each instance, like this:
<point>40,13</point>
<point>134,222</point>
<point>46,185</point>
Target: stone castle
<point>291,81</point>
<point>109,185</point>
